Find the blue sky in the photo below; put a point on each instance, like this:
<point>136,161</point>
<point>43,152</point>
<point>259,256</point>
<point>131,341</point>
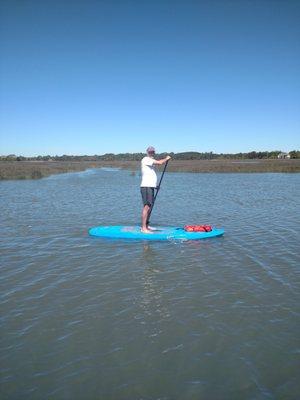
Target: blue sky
<point>90,77</point>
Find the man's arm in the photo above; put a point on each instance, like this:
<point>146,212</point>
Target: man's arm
<point>162,161</point>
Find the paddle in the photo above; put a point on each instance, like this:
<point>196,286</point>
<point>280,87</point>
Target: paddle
<point>157,190</point>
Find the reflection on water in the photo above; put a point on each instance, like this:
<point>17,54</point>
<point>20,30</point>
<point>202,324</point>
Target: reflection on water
<point>88,318</point>
<point>152,300</point>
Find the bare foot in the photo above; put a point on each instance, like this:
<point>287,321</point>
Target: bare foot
<point>146,231</point>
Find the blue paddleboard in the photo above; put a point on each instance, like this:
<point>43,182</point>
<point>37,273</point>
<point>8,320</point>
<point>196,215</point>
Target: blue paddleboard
<point>160,233</point>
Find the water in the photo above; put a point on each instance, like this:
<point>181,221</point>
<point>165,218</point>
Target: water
<point>85,318</point>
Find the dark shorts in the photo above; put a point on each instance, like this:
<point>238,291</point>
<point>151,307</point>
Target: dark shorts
<point>147,196</point>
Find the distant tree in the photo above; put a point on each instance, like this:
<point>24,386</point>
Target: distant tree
<point>11,157</point>
<point>188,155</point>
<point>295,154</point>
<point>274,154</point>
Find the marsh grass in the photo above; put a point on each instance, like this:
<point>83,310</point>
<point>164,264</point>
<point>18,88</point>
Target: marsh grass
<point>40,169</point>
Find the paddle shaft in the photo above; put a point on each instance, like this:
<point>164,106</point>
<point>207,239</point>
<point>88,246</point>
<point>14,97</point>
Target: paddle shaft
<point>157,190</point>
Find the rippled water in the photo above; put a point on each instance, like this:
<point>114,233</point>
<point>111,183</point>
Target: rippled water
<point>86,318</point>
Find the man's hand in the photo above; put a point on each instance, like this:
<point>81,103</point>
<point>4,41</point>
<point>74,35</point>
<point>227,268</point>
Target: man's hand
<point>162,161</point>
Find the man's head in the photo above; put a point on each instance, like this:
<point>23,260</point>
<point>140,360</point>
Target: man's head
<point>150,151</point>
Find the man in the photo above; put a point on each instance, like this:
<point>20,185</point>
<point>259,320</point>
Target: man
<point>148,184</point>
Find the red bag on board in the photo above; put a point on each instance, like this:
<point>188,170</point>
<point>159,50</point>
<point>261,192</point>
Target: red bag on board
<point>198,228</point>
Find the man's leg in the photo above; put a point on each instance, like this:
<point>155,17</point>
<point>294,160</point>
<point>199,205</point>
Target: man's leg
<point>147,196</point>
<point>145,214</point>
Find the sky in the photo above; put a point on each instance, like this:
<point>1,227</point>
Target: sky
<point>114,76</point>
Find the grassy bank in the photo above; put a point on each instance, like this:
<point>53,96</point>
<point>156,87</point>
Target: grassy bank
<point>40,169</point>
<point>235,166</point>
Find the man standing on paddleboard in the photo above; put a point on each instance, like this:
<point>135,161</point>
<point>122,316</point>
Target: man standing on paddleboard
<point>148,184</point>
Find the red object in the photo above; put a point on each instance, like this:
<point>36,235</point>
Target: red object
<point>198,228</point>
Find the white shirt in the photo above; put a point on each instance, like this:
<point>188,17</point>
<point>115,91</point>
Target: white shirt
<point>149,178</point>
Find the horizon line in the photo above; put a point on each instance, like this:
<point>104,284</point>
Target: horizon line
<point>143,152</point>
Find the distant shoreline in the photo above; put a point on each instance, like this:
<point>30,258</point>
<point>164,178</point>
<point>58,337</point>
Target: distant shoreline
<point>11,170</point>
